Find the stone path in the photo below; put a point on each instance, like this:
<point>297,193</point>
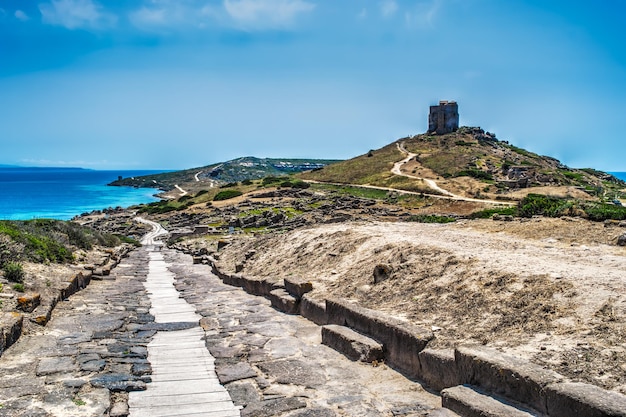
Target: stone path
<point>119,348</point>
<point>89,355</point>
<point>184,382</point>
<point>274,364</point>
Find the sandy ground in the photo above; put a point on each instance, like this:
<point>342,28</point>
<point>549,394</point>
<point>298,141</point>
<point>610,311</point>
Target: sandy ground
<point>550,290</point>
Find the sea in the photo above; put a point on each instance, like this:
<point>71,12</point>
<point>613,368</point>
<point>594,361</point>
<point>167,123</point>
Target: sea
<point>62,193</point>
<point>620,175</point>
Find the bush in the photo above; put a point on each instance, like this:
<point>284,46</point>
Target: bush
<point>227,195</point>
<point>604,211</point>
<point>271,180</point>
<point>18,287</point>
<point>431,218</point>
<point>301,185</point>
<point>544,205</point>
<point>488,213</point>
<point>14,272</point>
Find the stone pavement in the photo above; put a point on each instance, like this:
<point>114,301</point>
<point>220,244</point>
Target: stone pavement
<point>103,350</point>
<point>183,373</point>
<point>89,355</point>
<point>274,364</point>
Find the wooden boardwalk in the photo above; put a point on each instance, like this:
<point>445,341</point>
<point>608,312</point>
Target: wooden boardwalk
<point>184,382</point>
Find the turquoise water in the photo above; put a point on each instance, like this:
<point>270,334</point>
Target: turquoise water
<point>62,193</point>
<point>620,175</point>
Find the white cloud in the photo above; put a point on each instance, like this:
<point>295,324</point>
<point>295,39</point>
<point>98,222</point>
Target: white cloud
<point>75,14</point>
<point>388,8</point>
<point>424,14</point>
<point>20,15</point>
<point>181,14</point>
<point>266,13</point>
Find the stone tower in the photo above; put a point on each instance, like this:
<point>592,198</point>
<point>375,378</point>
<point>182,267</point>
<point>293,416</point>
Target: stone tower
<point>443,118</point>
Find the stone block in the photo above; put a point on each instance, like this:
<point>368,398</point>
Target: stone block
<point>235,280</point>
<point>11,330</point>
<point>313,310</point>
<point>438,368</point>
<point>260,286</point>
<point>29,302</point>
<point>469,403</point>
<point>283,301</point>
<point>403,341</point>
<point>505,375</point>
<point>353,345</point>
<point>577,399</point>
<point>298,286</point>
<point>236,372</point>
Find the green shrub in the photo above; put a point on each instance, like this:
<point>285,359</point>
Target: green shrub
<point>431,218</point>
<point>201,192</point>
<point>604,211</point>
<point>544,205</point>
<point>286,184</point>
<point>301,185</point>
<point>18,287</point>
<point>488,213</point>
<point>229,185</point>
<point>271,180</point>
<point>126,239</point>
<point>14,272</point>
<point>227,195</point>
<point>246,182</point>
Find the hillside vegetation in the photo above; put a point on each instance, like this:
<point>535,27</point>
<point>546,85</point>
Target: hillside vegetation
<point>472,163</point>
<point>236,170</point>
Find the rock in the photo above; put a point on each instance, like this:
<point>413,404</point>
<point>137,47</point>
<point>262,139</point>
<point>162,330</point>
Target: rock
<point>119,409</point>
<point>243,392</point>
<point>505,375</point>
<point>118,382</point>
<point>273,407</point>
<point>621,240</point>
<point>28,303</point>
<point>353,345</point>
<point>382,272</point>
<point>438,368</point>
<point>93,366</point>
<point>48,366</point>
<point>298,286</point>
<point>578,399</point>
<point>235,372</point>
<point>283,301</point>
<point>293,371</point>
<point>74,383</point>
<point>469,403</point>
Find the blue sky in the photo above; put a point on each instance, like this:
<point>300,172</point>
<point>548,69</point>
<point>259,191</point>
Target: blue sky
<point>171,84</point>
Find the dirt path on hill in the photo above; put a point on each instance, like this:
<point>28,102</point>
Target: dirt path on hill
<point>550,290</point>
<point>397,170</point>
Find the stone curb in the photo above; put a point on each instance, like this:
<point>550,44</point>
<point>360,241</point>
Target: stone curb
<point>353,345</point>
<point>405,348</point>
<point>402,341</point>
<point>11,330</point>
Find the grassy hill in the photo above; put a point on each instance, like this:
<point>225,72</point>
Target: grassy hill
<point>236,170</point>
<point>473,163</point>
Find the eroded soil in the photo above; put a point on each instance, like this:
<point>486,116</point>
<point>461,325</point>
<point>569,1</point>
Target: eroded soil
<point>550,290</point>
